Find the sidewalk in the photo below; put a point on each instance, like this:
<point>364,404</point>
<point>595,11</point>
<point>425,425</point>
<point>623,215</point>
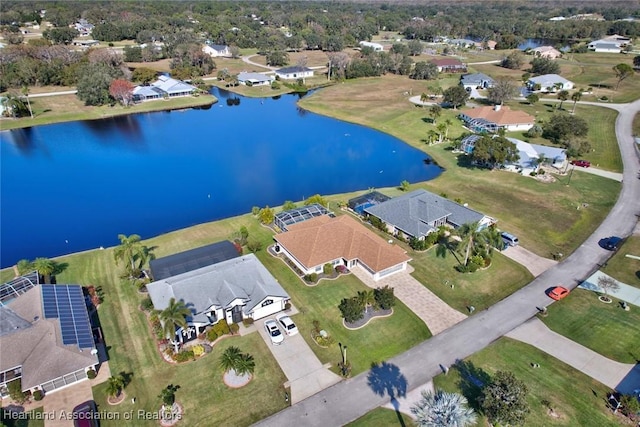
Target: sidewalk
<point>626,293</point>
<point>616,375</point>
<point>425,304</point>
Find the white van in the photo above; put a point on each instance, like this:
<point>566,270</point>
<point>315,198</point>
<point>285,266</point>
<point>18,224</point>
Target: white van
<point>509,239</point>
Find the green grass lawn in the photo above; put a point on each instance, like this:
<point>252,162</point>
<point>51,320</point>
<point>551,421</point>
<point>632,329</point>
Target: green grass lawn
<point>576,399</point>
<point>604,328</point>
<point>35,418</point>
<point>383,417</point>
<point>623,268</point>
<point>481,289</point>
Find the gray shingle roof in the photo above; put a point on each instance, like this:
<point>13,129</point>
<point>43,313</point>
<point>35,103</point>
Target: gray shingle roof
<point>414,212</point>
<point>218,285</point>
<point>476,79</point>
<point>294,69</point>
<point>253,77</point>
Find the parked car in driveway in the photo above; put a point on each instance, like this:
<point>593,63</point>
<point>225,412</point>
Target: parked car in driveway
<point>287,324</point>
<point>581,163</point>
<point>274,332</point>
<point>558,293</point>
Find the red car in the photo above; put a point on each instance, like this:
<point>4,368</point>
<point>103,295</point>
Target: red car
<point>558,293</point>
<point>581,163</point>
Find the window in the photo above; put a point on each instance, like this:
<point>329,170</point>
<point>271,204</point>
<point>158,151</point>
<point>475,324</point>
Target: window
<point>267,302</point>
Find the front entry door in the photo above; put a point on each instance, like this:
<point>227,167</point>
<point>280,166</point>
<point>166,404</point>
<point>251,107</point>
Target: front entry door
<point>236,314</point>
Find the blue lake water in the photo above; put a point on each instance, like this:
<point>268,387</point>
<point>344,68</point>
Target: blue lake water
<point>76,186</point>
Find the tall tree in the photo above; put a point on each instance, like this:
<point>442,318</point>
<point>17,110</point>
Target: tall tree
<point>608,284</point>
<point>563,95</point>
<point>132,252</point>
<point>434,112</point>
<point>25,93</point>
<point>504,400</point>
<point>45,267</point>
<point>502,90</point>
<point>575,98</point>
<point>115,385</point>
<point>513,61</point>
<point>622,72</point>
<point>229,358</point>
<point>476,241</point>
<point>424,71</point>
<point>442,409</point>
<point>122,91</point>
<point>456,96</point>
<point>173,317</point>
<point>494,151</point>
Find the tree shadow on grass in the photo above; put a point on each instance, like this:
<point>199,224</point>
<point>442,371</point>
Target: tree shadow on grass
<point>386,378</point>
<point>472,381</point>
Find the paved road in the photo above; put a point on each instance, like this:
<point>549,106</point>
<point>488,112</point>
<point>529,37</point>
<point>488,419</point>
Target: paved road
<point>348,400</point>
<point>248,60</point>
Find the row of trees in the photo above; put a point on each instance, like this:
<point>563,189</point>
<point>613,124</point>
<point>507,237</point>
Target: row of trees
<point>354,308</point>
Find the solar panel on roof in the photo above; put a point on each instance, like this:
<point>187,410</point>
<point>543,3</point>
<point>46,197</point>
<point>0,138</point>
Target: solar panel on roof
<point>66,303</point>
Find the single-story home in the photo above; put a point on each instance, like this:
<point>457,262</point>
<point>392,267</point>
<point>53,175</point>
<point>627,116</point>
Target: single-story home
<point>549,83</point>
<point>217,50</point>
<point>235,289</point>
<point>549,52</point>
<point>341,240</point>
<point>295,72</point>
<point>164,87</point>
<point>254,79</point>
<point>490,119</point>
<point>46,336</point>
<point>377,47</point>
<point>476,80</point>
<point>463,43</point>
<point>284,219</point>
<point>85,43</point>
<point>193,259</point>
<point>610,44</point>
<point>449,65</point>
<point>529,155</point>
<point>418,213</point>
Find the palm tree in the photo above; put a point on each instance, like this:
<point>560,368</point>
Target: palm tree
<point>175,315</point>
<point>366,298</point>
<point>441,128</point>
<point>563,95</point>
<point>575,98</point>
<point>24,266</point>
<point>435,111</point>
<point>132,252</point>
<point>448,124</point>
<point>25,92</point>
<point>424,97</point>
<point>115,385</point>
<point>245,365</point>
<point>229,358</point>
<point>442,409</point>
<point>45,268</point>
<point>474,240</point>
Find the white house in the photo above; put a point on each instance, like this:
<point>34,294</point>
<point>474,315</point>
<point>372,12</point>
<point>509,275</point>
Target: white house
<point>217,50</point>
<point>549,83</point>
<point>295,72</point>
<point>610,44</point>
<point>164,87</point>
<point>548,52</point>
<point>235,289</point>
<point>254,79</point>
<point>377,47</point>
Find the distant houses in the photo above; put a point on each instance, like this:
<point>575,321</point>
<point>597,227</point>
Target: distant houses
<point>164,87</point>
<point>377,47</point>
<point>295,72</point>
<point>491,119</point>
<point>217,50</point>
<point>610,44</point>
<point>254,79</point>
<point>549,83</point>
<point>476,81</point>
<point>548,52</point>
<point>449,65</point>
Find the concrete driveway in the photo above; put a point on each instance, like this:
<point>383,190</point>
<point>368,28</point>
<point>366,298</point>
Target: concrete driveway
<point>306,374</point>
<point>616,176</point>
<point>534,263</point>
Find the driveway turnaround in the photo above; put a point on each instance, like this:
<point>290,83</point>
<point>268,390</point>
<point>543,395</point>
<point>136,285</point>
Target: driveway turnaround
<point>618,376</point>
<point>625,293</point>
<point>348,400</point>
<point>532,262</point>
<point>425,304</point>
<point>306,375</point>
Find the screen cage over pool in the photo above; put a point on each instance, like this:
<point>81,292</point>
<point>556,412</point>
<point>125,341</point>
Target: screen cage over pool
<point>360,203</point>
<point>293,216</point>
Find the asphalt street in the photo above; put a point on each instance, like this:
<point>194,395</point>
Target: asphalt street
<point>350,399</point>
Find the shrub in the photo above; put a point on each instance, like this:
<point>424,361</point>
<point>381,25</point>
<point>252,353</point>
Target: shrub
<point>212,335</point>
<point>341,269</point>
<point>311,278</point>
<point>197,350</point>
<point>15,391</point>
<point>384,297</point>
<point>419,245</point>
<point>327,269</point>
<point>146,304</point>
<point>287,305</point>
<point>352,309</point>
<point>316,326</point>
<point>533,173</point>
<point>183,356</point>
<point>234,328</point>
<point>275,85</point>
<point>247,322</point>
<point>535,131</point>
<point>254,246</point>
<point>168,394</point>
<point>38,395</point>
<point>91,374</point>
<point>221,328</point>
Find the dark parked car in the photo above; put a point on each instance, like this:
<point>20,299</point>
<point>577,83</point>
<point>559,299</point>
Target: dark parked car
<point>581,163</point>
<point>612,243</point>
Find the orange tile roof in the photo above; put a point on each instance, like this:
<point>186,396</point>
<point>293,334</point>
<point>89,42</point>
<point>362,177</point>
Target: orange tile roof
<point>503,116</point>
<point>323,239</point>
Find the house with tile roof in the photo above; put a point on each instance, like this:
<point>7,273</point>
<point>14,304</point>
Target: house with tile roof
<point>549,83</point>
<point>254,79</point>
<point>549,52</point>
<point>234,290</point>
<point>449,65</point>
<point>491,119</point>
<point>476,81</point>
<point>419,213</point>
<point>338,241</point>
<point>35,346</point>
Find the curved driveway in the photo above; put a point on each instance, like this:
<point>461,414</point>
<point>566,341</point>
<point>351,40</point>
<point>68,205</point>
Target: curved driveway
<point>348,400</point>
